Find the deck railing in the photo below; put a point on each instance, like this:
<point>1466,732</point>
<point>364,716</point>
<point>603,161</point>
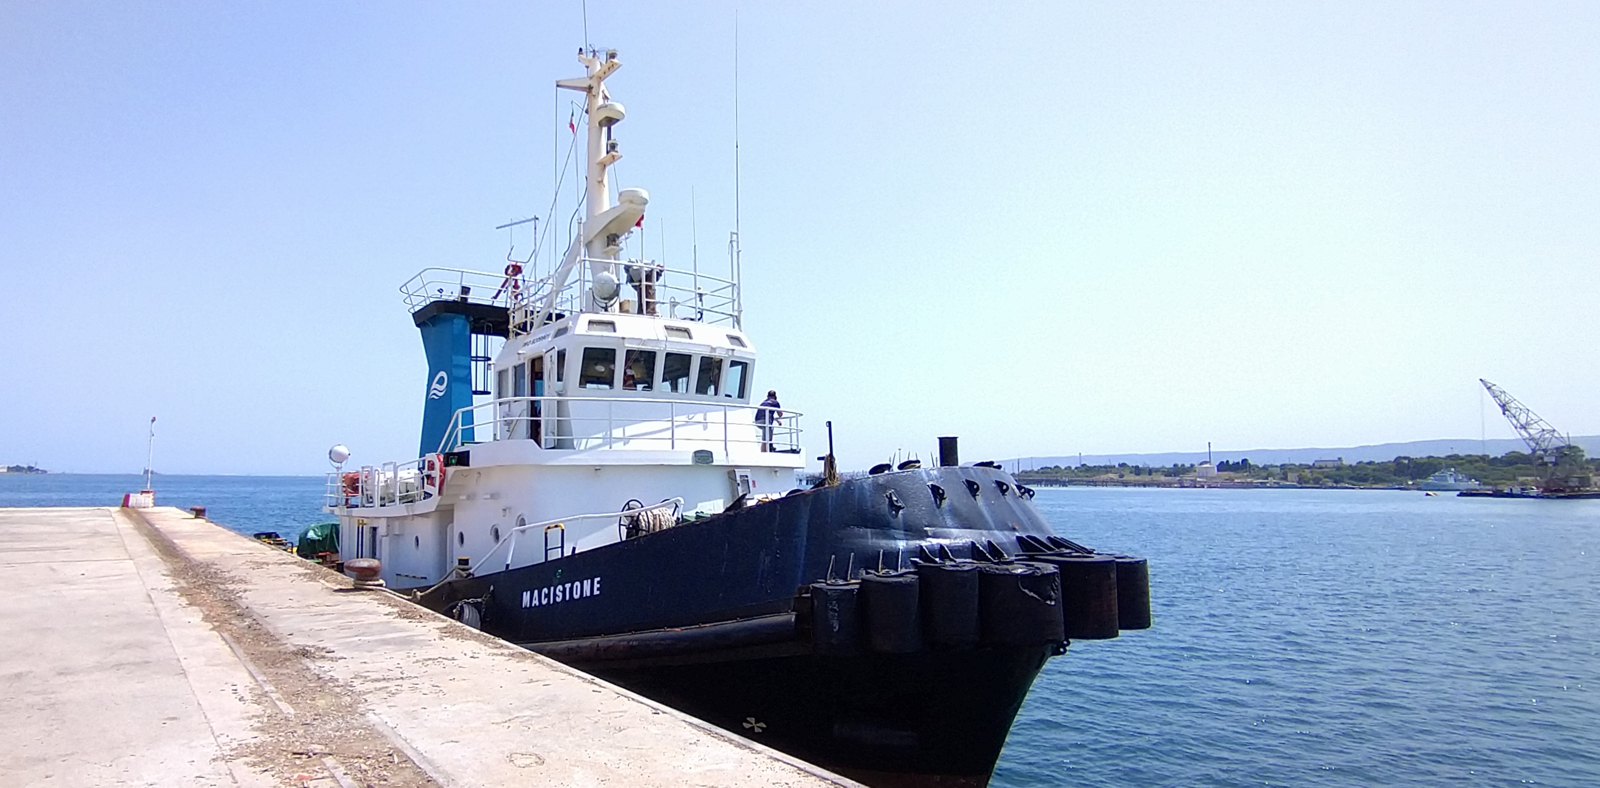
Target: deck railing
<point>623,423</point>
<point>378,485</point>
<point>645,288</point>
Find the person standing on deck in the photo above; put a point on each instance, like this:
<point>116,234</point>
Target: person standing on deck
<point>767,415</point>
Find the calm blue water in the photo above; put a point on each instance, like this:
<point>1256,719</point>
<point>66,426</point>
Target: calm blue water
<point>286,504</point>
<point>1336,638</point>
<point>1301,637</point>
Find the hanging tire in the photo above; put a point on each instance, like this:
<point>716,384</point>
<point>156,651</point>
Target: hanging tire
<point>467,613</point>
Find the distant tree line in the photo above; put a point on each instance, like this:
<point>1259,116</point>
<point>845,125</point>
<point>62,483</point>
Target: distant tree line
<point>1506,470</point>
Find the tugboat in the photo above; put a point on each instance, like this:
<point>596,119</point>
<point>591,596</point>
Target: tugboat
<point>597,482</point>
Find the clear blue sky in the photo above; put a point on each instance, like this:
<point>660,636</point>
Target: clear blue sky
<point>1046,228</point>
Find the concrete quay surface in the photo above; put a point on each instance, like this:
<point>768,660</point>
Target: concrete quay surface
<point>151,648</point>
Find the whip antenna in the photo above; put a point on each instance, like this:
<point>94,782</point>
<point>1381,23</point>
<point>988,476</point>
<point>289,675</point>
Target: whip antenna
<point>150,453</point>
<point>736,121</point>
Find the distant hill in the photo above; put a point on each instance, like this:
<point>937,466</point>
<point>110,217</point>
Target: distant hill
<point>1350,454</point>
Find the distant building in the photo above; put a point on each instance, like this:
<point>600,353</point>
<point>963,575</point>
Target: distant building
<point>1205,470</point>
<point>1337,462</point>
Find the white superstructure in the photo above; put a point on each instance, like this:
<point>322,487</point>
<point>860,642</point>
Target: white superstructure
<point>619,385</point>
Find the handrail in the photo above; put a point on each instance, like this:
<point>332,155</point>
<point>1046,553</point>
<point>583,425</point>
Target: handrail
<point>498,422</point>
<point>678,293</point>
<point>462,284</point>
<point>670,502</point>
<point>657,289</point>
<point>379,485</point>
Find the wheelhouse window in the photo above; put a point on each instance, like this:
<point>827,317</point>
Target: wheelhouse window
<point>599,368</point>
<point>710,377</point>
<point>602,327</point>
<point>639,370</point>
<point>675,373</point>
<point>561,365</point>
<point>736,341</point>
<point>738,377</point>
<point>678,332</point>
<point>519,381</point>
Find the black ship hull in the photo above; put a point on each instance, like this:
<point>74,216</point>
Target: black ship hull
<point>715,618</point>
<point>883,719</point>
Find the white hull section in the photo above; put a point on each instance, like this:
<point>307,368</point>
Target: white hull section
<point>503,516</point>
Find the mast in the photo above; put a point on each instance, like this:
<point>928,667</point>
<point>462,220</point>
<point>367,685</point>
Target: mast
<point>604,225</point>
<point>150,454</point>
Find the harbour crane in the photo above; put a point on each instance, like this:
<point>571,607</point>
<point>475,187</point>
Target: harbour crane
<point>1561,463</point>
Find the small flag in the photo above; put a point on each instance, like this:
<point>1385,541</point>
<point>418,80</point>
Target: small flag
<point>639,223</point>
<point>572,123</point>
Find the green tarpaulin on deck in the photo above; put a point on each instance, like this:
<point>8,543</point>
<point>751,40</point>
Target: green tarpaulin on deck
<point>319,538</point>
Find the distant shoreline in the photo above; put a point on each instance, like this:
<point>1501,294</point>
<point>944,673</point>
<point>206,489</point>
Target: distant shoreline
<point>1514,469</point>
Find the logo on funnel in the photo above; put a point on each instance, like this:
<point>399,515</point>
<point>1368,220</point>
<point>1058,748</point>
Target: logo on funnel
<point>440,382</point>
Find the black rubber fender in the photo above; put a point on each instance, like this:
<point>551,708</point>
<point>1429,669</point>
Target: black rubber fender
<point>891,618</point>
<point>1019,604</point>
<point>835,623</point>
<point>1133,593</point>
<point>949,600</point>
<point>1089,594</point>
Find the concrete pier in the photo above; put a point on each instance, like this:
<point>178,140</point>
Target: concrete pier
<point>151,648</point>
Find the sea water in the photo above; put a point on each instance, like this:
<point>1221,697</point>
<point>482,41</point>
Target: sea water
<point>1302,637</point>
<point>1334,638</point>
<point>247,504</point>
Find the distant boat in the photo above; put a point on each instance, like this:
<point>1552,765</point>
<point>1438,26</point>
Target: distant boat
<point>1449,479</point>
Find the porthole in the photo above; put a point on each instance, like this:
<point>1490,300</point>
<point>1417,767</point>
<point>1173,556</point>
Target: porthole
<point>495,534</point>
<point>416,541</point>
<point>461,538</point>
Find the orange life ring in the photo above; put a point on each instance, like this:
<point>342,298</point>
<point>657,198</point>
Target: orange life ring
<point>433,473</point>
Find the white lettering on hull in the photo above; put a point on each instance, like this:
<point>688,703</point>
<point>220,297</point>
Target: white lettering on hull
<point>561,592</point>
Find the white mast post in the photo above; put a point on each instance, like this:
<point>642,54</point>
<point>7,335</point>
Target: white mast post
<point>150,454</point>
<point>604,224</point>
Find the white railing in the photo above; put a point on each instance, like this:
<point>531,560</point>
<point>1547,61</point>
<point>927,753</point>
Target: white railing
<point>510,539</point>
<point>378,485</point>
<point>646,288</point>
<point>460,284</point>
<point>622,423</point>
